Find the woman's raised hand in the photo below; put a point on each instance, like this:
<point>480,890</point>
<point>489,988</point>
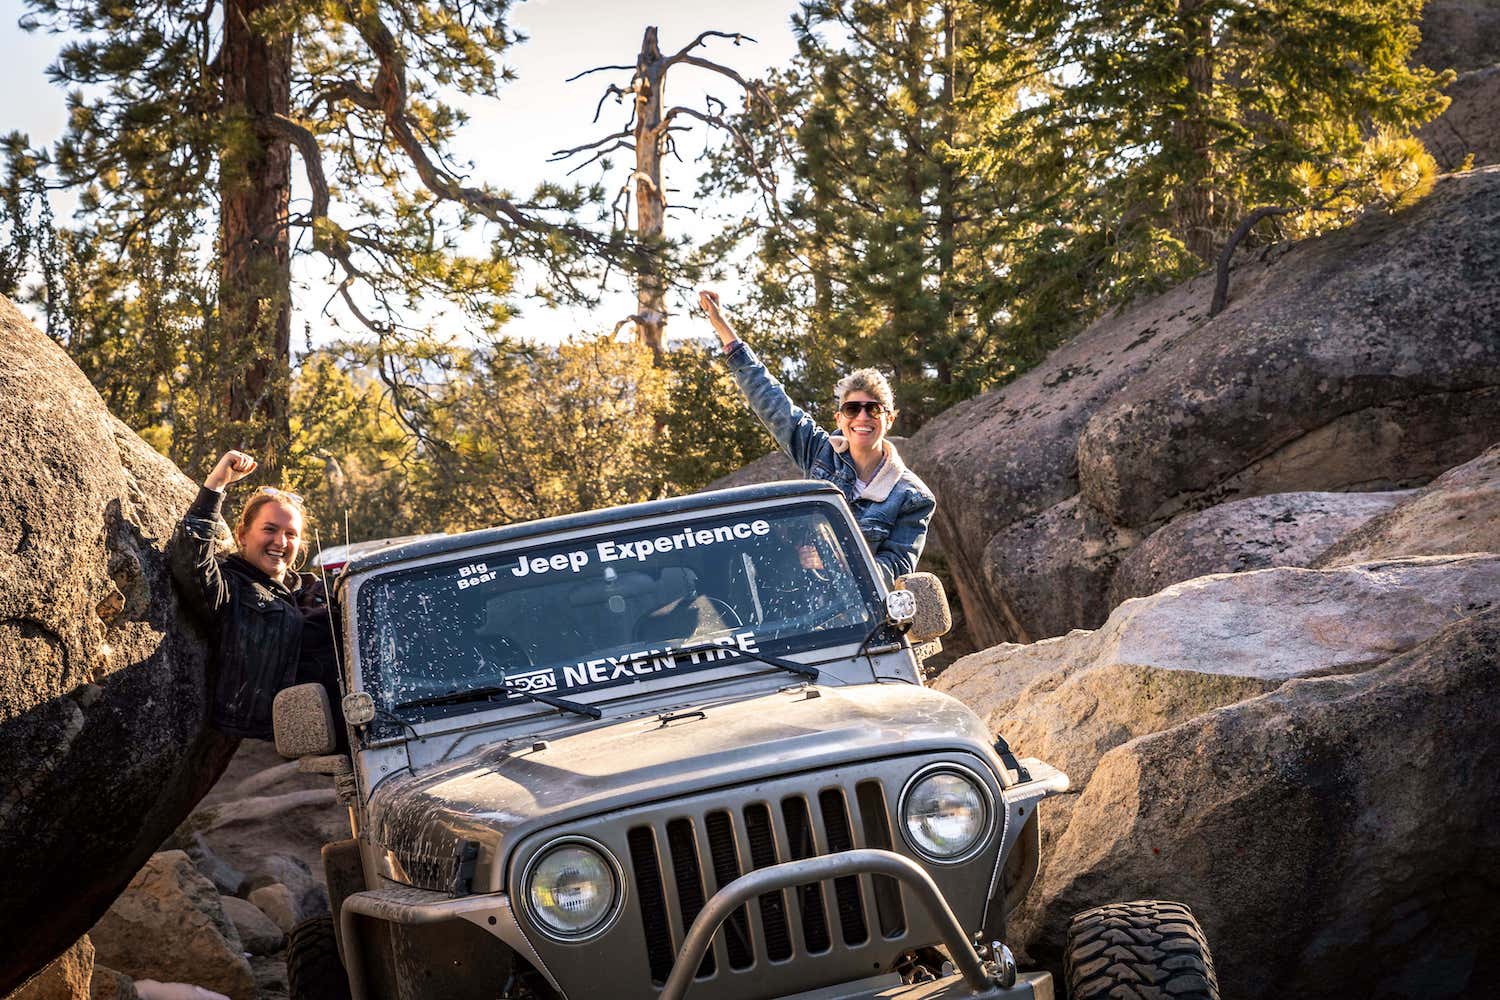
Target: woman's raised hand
<point>709,301</point>
<point>231,468</point>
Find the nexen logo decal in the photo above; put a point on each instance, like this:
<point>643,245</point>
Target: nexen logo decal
<point>607,671</point>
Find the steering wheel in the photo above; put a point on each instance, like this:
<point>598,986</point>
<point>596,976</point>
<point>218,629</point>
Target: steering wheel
<point>726,612</point>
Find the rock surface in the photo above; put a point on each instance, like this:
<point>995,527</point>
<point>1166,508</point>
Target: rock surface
<point>265,808</point>
<point>1458,512</point>
<point>1471,124</point>
<point>258,933</point>
<point>1209,642</point>
<point>1365,360</point>
<point>1341,827</point>
<point>1280,529</point>
<point>108,984</point>
<point>277,903</point>
<point>170,926</point>
<point>103,748</point>
<point>66,978</point>
<point>1459,34</point>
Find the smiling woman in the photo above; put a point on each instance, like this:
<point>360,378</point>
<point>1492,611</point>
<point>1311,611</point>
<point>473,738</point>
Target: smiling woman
<point>273,625</point>
<point>890,503</point>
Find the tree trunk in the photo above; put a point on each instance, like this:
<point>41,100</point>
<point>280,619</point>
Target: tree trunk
<point>947,222</point>
<point>255,277</point>
<point>650,196</point>
<point>1193,206</point>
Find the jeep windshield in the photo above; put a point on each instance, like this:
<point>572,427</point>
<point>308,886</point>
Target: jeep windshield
<point>613,609</point>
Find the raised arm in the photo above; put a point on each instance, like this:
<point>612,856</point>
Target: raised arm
<point>797,433</point>
<point>191,551</point>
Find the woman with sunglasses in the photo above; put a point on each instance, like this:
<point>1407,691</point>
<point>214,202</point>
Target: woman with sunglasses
<point>272,624</point>
<point>890,503</point>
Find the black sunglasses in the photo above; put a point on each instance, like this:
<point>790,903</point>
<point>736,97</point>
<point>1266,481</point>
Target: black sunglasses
<point>851,409</point>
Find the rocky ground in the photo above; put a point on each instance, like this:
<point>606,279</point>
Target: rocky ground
<point>208,915</point>
<point>1361,362</point>
<point>1302,753</point>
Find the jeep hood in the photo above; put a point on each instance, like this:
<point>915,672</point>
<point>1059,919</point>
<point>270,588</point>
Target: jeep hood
<point>497,795</point>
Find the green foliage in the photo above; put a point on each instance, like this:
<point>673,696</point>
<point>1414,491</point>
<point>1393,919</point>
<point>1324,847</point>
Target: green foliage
<point>879,252</point>
<point>969,183</point>
<point>538,431</point>
<point>157,142</point>
<point>350,453</point>
<point>962,185</point>
<point>707,431</point>
<point>1145,131</point>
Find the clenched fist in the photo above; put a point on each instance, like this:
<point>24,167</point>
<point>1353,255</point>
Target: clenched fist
<point>709,301</point>
<point>231,468</point>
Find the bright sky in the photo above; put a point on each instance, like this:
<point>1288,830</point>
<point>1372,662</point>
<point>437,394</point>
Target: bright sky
<point>510,140</point>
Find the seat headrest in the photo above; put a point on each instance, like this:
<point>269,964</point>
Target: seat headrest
<point>627,585</point>
<point>676,583</point>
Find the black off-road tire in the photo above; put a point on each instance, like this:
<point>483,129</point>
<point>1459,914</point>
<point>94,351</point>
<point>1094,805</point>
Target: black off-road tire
<point>313,969</point>
<point>1150,949</point>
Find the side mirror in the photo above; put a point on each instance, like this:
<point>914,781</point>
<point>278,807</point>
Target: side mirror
<point>303,722</point>
<point>931,617</point>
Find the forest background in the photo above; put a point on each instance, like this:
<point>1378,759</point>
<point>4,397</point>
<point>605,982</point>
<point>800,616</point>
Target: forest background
<point>945,191</point>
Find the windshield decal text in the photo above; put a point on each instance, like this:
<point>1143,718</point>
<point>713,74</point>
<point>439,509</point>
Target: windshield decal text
<point>641,550</point>
<point>606,671</point>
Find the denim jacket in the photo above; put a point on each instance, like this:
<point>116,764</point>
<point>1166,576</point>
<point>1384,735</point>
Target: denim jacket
<point>892,511</point>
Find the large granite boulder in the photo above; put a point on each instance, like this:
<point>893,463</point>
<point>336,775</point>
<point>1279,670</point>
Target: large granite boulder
<point>1459,34</point>
<point>1458,512</point>
<point>1205,643</point>
<point>169,926</point>
<point>103,693</point>
<point>1471,124</point>
<point>1335,837</point>
<point>66,978</point>
<point>1279,529</point>
<point>1366,360</point>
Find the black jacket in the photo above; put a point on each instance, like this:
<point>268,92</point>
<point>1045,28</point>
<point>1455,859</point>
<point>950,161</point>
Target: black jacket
<point>258,621</point>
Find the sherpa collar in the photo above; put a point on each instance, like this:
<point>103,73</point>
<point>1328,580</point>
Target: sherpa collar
<point>886,476</point>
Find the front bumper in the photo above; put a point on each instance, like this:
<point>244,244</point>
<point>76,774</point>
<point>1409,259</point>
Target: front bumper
<point>1028,986</point>
<point>974,978</point>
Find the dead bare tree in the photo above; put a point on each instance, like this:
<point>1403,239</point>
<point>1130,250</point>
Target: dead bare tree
<point>648,134</point>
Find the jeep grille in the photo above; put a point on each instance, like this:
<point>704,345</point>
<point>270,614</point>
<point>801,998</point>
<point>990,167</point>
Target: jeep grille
<point>823,825</point>
<point>678,854</point>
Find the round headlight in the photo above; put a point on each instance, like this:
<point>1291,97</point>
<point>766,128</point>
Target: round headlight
<point>571,889</point>
<point>945,815</point>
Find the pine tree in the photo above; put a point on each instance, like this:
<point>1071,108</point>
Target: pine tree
<point>198,112</point>
<point>1146,130</point>
<point>878,252</point>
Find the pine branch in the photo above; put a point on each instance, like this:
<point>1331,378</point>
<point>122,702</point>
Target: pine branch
<point>563,154</point>
<point>391,92</point>
<point>596,69</point>
<point>618,92</point>
<point>682,53</point>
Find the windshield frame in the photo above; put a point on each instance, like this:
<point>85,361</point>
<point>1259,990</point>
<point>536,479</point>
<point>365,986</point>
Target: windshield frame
<point>713,682</point>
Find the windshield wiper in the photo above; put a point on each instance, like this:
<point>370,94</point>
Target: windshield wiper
<point>791,666</point>
<point>489,691</point>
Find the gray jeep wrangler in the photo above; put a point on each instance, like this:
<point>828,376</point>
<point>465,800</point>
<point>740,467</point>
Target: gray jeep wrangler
<point>677,747</point>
